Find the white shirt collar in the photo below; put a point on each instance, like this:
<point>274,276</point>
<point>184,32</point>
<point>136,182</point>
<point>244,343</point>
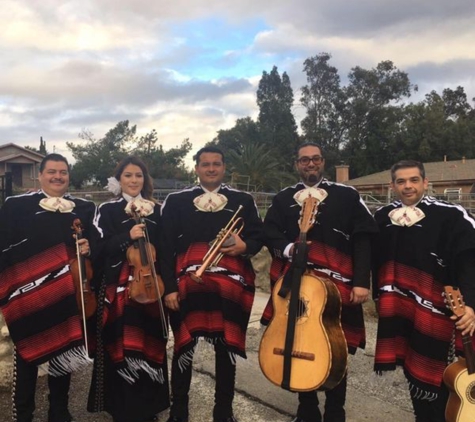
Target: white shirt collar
<point>211,191</point>
<point>49,196</point>
<point>129,198</point>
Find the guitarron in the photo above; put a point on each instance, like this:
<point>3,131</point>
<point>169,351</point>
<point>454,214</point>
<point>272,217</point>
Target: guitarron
<point>459,376</point>
<point>319,353</point>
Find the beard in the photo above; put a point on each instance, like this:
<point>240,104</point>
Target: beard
<point>312,179</point>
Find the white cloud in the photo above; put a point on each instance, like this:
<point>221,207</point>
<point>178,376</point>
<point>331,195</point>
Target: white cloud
<point>69,65</point>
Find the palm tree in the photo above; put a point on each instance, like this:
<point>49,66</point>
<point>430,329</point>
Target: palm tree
<point>258,164</point>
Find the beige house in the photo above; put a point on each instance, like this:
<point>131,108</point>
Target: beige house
<point>22,163</point>
<point>446,178</point>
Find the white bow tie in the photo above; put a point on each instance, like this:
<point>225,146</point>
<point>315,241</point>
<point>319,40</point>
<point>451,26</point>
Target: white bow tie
<point>57,204</point>
<point>406,216</point>
<point>141,207</point>
<point>210,202</point>
<point>318,193</point>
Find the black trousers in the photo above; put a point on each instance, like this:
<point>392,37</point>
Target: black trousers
<point>23,395</point>
<point>334,405</point>
<point>430,411</point>
<point>225,373</point>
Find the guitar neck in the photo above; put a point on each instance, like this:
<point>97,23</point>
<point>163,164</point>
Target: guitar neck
<point>469,353</point>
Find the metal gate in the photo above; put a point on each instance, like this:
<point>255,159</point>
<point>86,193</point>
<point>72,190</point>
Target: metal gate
<point>6,186</point>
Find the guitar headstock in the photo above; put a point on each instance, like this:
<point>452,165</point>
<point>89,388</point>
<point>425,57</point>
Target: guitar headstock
<point>454,300</point>
<point>308,214</point>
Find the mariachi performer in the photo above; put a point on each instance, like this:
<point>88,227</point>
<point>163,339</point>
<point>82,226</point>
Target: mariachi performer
<point>130,379</point>
<point>339,248</point>
<point>216,304</point>
<point>37,288</point>
<point>424,244</point>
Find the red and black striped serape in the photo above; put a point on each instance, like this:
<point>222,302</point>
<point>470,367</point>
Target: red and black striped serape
<point>414,328</point>
<point>38,301</point>
<point>219,308</point>
<point>133,335</point>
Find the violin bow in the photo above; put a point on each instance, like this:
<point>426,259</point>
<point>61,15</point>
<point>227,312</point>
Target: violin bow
<point>77,227</point>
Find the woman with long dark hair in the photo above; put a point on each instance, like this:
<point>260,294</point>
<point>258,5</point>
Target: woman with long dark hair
<point>130,379</point>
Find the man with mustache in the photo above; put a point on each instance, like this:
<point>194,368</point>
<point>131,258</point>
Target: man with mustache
<point>339,247</point>
<point>216,306</point>
<point>424,244</point>
<point>37,292</point>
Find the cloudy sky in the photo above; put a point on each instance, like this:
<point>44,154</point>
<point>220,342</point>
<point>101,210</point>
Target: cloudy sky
<point>189,68</point>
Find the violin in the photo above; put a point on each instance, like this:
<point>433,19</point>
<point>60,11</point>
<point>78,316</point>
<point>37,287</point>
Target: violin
<point>81,270</point>
<point>146,286</point>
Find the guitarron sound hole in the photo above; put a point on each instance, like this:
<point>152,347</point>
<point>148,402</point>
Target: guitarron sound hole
<point>471,392</point>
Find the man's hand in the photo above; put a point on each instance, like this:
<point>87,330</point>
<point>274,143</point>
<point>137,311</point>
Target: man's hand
<point>291,251</point>
<point>466,323</point>
<point>359,295</point>
<point>238,248</point>
<point>172,301</point>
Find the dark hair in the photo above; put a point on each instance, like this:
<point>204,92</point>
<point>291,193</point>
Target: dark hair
<point>211,149</point>
<point>406,164</point>
<point>52,157</point>
<point>307,144</point>
<point>147,189</point>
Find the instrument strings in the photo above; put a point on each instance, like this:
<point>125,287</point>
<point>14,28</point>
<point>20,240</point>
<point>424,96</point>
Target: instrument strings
<point>154,274</point>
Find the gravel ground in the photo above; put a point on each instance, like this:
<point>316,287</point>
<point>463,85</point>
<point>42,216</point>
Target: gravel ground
<point>249,407</point>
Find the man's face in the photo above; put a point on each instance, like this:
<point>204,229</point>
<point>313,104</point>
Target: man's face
<point>54,179</point>
<point>310,165</point>
<point>210,170</point>
<point>409,186</point>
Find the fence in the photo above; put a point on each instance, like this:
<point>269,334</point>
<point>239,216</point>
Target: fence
<point>264,199</point>
<point>466,200</point>
<point>6,187</point>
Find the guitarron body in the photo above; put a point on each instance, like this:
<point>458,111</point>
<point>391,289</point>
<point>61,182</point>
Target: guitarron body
<point>459,376</point>
<point>319,354</point>
<point>461,384</point>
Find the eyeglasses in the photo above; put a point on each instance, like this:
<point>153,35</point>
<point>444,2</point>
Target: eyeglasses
<point>305,161</point>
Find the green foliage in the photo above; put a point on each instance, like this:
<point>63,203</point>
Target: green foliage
<point>255,168</point>
<point>245,131</point>
<point>277,127</point>
<point>97,158</point>
<point>368,124</point>
<point>324,101</point>
<point>41,150</point>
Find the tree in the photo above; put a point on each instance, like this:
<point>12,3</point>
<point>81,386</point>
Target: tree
<point>276,122</point>
<point>455,103</point>
<point>244,131</point>
<point>324,101</point>
<point>96,160</point>
<point>41,150</point>
<point>440,126</point>
<point>374,116</point>
<point>259,165</point>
